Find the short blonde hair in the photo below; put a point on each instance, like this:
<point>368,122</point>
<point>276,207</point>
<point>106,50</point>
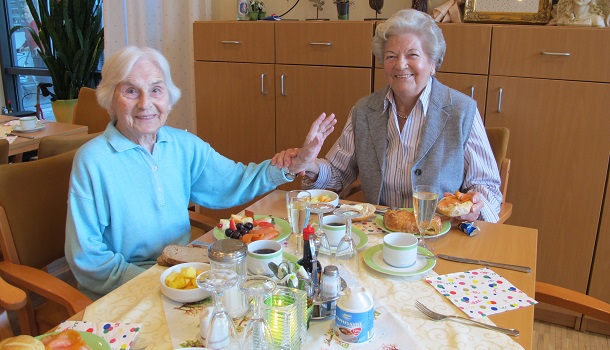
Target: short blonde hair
<point>117,68</point>
<point>415,22</point>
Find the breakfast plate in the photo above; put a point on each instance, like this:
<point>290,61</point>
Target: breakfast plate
<point>39,126</point>
<point>282,225</point>
<point>94,341</point>
<point>374,259</point>
<point>359,237</point>
<point>445,227</point>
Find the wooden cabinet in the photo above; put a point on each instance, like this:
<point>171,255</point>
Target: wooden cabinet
<point>555,105</point>
<point>260,85</point>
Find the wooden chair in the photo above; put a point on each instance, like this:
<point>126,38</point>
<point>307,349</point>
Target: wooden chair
<point>88,112</point>
<point>33,206</point>
<point>53,145</point>
<point>11,299</point>
<point>498,139</point>
<point>4,146</point>
<point>572,300</point>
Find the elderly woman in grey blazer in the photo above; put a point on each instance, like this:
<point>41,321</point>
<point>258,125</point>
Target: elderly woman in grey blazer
<point>415,131</point>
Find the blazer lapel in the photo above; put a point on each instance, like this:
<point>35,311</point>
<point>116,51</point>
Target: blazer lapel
<point>436,118</point>
<point>378,125</point>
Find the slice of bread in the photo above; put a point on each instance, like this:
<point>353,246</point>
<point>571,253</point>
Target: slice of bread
<point>178,254</point>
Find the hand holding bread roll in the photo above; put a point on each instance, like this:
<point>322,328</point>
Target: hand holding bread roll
<point>458,204</point>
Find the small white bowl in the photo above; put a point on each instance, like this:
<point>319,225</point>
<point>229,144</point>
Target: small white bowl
<point>184,295</point>
<point>332,195</point>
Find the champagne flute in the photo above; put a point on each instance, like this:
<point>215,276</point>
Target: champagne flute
<point>257,334</point>
<point>321,241</point>
<point>425,198</point>
<point>346,254</point>
<point>297,205</point>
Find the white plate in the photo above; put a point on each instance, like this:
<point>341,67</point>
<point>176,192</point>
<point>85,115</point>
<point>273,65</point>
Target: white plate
<point>39,126</point>
<point>374,259</point>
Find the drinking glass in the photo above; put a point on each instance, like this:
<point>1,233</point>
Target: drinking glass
<point>425,198</point>
<point>321,241</point>
<point>222,333</point>
<point>297,206</point>
<point>346,254</point>
<point>257,334</point>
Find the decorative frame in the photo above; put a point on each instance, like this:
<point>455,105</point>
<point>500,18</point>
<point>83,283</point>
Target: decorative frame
<point>508,11</point>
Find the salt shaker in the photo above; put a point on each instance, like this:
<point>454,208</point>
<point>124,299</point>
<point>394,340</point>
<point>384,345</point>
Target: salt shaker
<point>230,254</point>
<point>329,289</point>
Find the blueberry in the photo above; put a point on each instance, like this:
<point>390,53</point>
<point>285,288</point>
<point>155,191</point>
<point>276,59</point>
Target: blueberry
<point>249,225</point>
<point>235,235</point>
<point>228,232</point>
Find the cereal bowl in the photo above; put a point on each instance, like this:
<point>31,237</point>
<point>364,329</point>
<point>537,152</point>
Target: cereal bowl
<point>184,295</point>
<point>327,196</point>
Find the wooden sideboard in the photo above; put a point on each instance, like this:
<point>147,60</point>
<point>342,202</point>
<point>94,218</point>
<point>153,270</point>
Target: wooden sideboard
<point>551,92</point>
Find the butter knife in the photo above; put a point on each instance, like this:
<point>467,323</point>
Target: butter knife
<point>486,263</point>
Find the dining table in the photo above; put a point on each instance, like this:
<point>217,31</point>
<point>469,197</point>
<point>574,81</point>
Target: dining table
<point>29,141</point>
<point>140,301</point>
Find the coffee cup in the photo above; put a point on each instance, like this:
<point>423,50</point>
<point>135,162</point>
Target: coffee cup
<point>399,249</point>
<point>260,254</point>
<point>334,228</point>
<point>27,123</point>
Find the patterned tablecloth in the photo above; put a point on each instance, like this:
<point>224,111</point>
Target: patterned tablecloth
<point>140,301</point>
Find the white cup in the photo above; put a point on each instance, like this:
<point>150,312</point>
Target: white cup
<point>334,228</point>
<point>399,249</point>
<point>260,254</point>
<point>27,123</point>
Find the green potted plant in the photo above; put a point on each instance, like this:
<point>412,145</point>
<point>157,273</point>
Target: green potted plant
<point>70,40</point>
<point>257,10</point>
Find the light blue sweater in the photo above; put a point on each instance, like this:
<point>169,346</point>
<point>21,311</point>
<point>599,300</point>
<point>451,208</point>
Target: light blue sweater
<point>125,204</point>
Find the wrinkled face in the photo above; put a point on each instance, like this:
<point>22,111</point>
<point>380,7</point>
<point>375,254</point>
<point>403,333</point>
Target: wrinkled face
<point>407,67</point>
<point>141,102</point>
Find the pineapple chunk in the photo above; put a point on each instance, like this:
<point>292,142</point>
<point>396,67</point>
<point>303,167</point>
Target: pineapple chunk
<point>188,272</point>
<point>171,277</point>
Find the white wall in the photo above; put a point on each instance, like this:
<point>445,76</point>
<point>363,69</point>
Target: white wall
<point>227,9</point>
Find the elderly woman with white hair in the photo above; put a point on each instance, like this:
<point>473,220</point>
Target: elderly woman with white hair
<point>415,131</point>
<point>130,187</point>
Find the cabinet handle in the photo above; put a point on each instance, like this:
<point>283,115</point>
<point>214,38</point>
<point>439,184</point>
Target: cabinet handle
<point>230,42</point>
<point>282,84</point>
<point>472,92</point>
<point>321,44</point>
<point>555,53</point>
<point>500,100</point>
<point>263,84</point>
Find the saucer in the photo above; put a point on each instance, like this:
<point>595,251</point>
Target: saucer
<point>39,126</point>
<point>359,237</point>
<point>374,259</point>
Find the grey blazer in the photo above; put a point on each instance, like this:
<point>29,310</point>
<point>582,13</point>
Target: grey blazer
<point>440,156</point>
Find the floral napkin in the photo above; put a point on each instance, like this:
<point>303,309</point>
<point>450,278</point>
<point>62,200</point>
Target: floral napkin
<point>4,130</point>
<point>120,336</point>
<point>481,292</point>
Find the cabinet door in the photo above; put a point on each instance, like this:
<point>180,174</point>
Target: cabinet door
<point>307,91</point>
<point>559,148</point>
<point>472,85</point>
<point>236,109</point>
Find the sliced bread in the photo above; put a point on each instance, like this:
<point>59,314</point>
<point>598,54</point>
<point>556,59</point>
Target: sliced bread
<point>178,254</point>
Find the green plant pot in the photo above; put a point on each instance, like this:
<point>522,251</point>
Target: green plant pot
<point>262,15</point>
<point>63,110</point>
<point>253,16</point>
<point>343,10</point>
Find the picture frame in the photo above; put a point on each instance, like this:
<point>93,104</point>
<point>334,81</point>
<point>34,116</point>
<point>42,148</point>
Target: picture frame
<point>508,11</point>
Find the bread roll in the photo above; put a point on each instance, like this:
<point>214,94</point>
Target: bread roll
<point>402,220</point>
<point>367,211</point>
<point>458,204</point>
<point>21,342</point>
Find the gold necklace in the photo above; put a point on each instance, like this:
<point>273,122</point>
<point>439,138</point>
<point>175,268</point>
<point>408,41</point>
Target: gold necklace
<point>400,116</point>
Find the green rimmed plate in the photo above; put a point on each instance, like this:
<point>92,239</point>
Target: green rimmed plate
<point>284,227</point>
<point>445,227</point>
<point>374,259</point>
<point>94,341</point>
<point>360,238</point>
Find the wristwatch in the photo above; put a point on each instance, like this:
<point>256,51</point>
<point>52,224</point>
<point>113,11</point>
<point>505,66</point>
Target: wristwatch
<point>288,174</point>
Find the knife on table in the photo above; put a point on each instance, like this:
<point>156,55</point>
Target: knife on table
<point>486,263</point>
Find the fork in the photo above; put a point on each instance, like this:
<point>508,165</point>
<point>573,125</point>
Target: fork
<point>436,316</point>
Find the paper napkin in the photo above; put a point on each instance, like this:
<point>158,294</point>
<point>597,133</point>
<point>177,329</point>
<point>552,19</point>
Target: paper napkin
<point>120,336</point>
<point>481,292</point>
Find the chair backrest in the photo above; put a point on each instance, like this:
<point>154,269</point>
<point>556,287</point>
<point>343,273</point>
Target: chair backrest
<point>4,146</point>
<point>11,299</point>
<point>572,300</point>
<point>88,112</point>
<point>498,140</point>
<point>53,145</point>
<point>33,207</point>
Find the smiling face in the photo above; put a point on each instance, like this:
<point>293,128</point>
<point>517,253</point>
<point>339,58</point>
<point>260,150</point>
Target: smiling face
<point>406,65</point>
<point>141,103</point>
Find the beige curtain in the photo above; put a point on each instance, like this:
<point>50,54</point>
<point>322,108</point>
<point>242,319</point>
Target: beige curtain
<point>166,25</point>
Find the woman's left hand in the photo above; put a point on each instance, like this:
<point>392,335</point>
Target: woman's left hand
<point>475,211</point>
